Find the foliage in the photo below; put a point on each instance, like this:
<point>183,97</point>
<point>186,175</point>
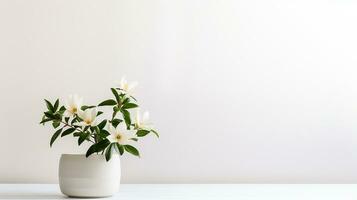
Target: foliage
<point>107,136</point>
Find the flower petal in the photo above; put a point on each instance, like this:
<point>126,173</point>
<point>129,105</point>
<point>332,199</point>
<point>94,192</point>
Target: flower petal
<point>132,86</point>
<point>146,117</point>
<point>81,114</point>
<point>94,123</point>
<point>87,114</point>
<point>121,128</point>
<point>137,116</point>
<point>67,113</point>
<point>123,82</point>
<point>111,129</point>
<point>80,124</point>
<point>93,114</point>
<point>111,138</point>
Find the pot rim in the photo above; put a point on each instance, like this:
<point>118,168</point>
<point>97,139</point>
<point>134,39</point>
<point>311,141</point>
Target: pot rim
<point>73,154</point>
<point>80,155</point>
<point>84,155</point>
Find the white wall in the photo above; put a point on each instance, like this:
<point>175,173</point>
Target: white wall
<point>242,91</point>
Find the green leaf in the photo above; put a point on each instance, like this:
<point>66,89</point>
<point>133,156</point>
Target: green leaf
<point>83,137</point>
<point>86,107</point>
<point>74,120</point>
<point>102,124</point>
<point>115,147</point>
<point>53,116</point>
<point>55,136</point>
<point>56,124</point>
<point>49,115</point>
<point>68,131</point>
<point>100,146</point>
<point>104,134</point>
<point>131,150</point>
<point>62,108</point>
<point>109,102</point>
<point>126,116</point>
<point>115,92</point>
<point>77,134</point>
<point>129,106</point>
<point>92,149</point>
<point>91,128</point>
<point>86,128</point>
<point>49,106</point>
<point>134,139</point>
<point>116,121</point>
<point>114,114</point>
<point>116,109</point>
<point>99,113</point>
<point>121,149</point>
<point>142,133</point>
<point>97,130</point>
<point>118,148</point>
<point>55,107</point>
<point>156,133</point>
<point>108,152</point>
<point>58,116</point>
<point>126,100</point>
<point>133,98</point>
<point>66,119</point>
<point>103,144</point>
<point>44,120</point>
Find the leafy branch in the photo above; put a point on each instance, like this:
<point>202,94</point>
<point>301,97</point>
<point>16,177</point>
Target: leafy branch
<point>107,136</point>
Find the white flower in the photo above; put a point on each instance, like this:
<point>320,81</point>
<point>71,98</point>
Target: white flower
<point>142,121</point>
<point>72,104</point>
<point>119,134</point>
<point>126,87</point>
<point>88,116</point>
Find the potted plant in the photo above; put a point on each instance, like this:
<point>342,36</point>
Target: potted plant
<point>97,173</point>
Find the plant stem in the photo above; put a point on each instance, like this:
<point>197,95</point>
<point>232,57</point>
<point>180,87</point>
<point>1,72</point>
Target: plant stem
<point>65,123</point>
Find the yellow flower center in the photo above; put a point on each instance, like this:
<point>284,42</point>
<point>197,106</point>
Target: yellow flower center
<point>118,137</point>
<point>88,121</point>
<point>74,110</point>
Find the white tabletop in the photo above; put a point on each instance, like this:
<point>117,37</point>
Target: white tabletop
<point>196,192</point>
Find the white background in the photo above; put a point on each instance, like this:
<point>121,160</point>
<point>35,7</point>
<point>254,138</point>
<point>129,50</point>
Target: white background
<point>241,91</point>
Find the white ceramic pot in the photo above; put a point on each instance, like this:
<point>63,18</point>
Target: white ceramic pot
<point>89,177</point>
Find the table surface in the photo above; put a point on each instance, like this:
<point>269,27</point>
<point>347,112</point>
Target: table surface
<point>196,191</point>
